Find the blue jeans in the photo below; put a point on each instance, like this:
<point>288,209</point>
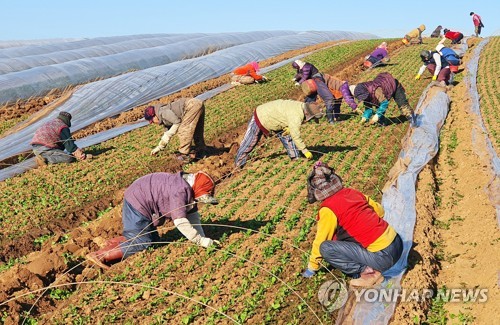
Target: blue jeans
<point>352,258</point>
<point>52,155</point>
<point>137,229</point>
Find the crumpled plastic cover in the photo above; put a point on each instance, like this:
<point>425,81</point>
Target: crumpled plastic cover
<point>398,199</point>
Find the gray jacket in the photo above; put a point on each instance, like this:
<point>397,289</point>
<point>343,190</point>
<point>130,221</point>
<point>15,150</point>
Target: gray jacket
<point>171,113</point>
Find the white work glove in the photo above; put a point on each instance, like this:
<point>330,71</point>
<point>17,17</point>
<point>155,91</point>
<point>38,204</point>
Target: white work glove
<point>206,242</point>
<point>156,150</point>
<point>297,84</point>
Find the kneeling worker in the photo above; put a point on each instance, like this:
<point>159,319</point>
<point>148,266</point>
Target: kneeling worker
<point>52,142</point>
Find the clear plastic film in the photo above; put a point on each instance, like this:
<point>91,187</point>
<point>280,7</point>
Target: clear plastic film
<point>36,42</point>
<point>39,80</point>
<point>27,48</point>
<point>99,100</point>
<point>8,65</point>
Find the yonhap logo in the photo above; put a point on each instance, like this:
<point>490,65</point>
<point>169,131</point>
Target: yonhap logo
<point>333,295</point>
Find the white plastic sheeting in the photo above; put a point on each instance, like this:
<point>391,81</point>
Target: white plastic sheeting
<point>98,100</point>
<point>20,43</point>
<point>8,65</point>
<point>39,80</point>
<point>111,133</point>
<point>57,45</point>
<point>399,199</point>
<point>480,133</point>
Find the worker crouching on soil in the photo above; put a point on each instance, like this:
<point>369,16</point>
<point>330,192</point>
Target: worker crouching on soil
<point>185,116</point>
<point>148,202</point>
<point>415,36</point>
<point>376,94</point>
<point>283,118</point>
<point>247,74</point>
<point>52,142</point>
<point>307,73</point>
<point>437,65</point>
<point>352,235</point>
<point>377,57</point>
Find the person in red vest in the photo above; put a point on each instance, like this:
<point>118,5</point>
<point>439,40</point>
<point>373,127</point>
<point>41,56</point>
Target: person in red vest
<point>455,37</point>
<point>352,235</point>
<point>52,142</point>
<point>478,23</point>
<point>247,74</point>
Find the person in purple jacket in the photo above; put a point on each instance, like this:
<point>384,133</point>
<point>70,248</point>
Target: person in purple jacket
<point>148,202</point>
<point>375,95</point>
<point>306,71</point>
<point>378,56</point>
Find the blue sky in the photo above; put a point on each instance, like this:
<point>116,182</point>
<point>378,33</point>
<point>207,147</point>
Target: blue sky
<point>37,19</point>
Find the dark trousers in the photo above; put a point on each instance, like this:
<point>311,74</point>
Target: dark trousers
<point>400,95</point>
<point>137,229</point>
<point>325,94</point>
<point>351,258</point>
<point>53,155</point>
<point>443,75</point>
<point>457,40</point>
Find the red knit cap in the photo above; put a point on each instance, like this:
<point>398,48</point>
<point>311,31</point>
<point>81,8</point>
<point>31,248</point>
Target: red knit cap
<point>203,184</point>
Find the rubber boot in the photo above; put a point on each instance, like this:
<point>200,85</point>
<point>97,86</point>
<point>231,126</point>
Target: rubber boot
<point>110,253</point>
<point>368,278</point>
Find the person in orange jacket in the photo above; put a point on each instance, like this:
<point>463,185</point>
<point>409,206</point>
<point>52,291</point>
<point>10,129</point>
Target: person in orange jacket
<point>247,74</point>
<point>352,235</point>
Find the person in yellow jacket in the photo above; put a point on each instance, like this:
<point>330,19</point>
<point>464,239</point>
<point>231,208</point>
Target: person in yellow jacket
<point>352,235</point>
<point>415,36</point>
<point>283,118</point>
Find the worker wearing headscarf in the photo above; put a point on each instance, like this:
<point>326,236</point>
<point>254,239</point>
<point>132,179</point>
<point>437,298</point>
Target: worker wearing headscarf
<point>352,235</point>
<point>148,203</point>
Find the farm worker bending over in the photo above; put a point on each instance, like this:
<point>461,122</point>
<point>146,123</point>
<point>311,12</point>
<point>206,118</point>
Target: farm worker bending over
<point>378,56</point>
<point>448,54</point>
<point>247,74</point>
<point>437,65</point>
<point>437,32</point>
<point>455,37</point>
<point>415,36</point>
<point>148,202</point>
<point>377,93</point>
<point>478,23</point>
<point>52,142</point>
<point>284,118</point>
<point>186,116</point>
<point>351,235</point>
<point>308,73</point>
